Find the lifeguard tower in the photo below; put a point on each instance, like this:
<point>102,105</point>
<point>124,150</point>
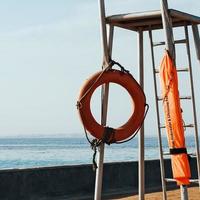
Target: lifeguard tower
<point>166,19</point>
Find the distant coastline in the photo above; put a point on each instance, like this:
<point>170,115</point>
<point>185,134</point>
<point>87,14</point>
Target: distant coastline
<point>26,152</point>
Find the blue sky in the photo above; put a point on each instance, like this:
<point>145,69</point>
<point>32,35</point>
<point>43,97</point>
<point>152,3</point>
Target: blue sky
<point>47,50</point>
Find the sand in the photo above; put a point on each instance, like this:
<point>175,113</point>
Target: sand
<point>194,194</point>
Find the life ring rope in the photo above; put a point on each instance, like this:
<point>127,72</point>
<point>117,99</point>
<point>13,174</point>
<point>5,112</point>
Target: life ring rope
<point>116,142</point>
<point>95,143</point>
<point>112,62</point>
<point>126,80</point>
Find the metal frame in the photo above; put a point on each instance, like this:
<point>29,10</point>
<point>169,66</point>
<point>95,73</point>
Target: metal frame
<point>141,22</point>
<point>167,25</point>
<point>141,165</point>
<point>170,46</point>
<point>107,51</point>
<point>193,101</point>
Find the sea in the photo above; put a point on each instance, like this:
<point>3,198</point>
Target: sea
<point>28,152</point>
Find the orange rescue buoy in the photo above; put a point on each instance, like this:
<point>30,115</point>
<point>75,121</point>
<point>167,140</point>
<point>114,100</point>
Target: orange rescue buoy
<point>127,81</point>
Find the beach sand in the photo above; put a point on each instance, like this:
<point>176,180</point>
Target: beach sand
<point>194,194</point>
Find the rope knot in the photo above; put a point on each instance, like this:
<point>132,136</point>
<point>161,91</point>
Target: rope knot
<point>78,105</point>
<point>108,136</point>
<point>112,62</point>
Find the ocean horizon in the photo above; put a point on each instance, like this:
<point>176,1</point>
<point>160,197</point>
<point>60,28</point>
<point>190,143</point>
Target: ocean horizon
<point>44,151</point>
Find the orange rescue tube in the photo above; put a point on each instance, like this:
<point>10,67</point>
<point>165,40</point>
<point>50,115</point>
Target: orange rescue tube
<point>174,121</point>
<point>138,103</point>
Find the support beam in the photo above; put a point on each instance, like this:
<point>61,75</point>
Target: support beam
<point>107,49</point>
<point>162,167</point>
<point>104,32</point>
<point>184,192</point>
<point>196,40</point>
<point>196,133</point>
<point>167,26</point>
<point>141,134</point>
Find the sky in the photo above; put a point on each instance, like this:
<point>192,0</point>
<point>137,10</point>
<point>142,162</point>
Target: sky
<point>49,48</point>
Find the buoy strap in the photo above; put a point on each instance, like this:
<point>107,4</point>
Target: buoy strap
<point>112,62</point>
<point>175,151</point>
<point>108,136</point>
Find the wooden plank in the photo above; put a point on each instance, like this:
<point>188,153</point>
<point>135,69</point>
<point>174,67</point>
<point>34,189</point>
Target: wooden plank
<point>133,16</point>
<point>146,28</point>
<point>152,17</point>
<point>154,24</point>
<point>184,16</point>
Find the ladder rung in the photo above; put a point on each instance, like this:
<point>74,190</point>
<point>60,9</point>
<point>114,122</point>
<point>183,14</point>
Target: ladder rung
<point>170,180</point>
<point>155,44</point>
<point>173,180</point>
<point>181,97</point>
<point>193,154</point>
<point>183,41</point>
<point>166,153</point>
<point>178,70</point>
<point>185,126</point>
<point>194,180</point>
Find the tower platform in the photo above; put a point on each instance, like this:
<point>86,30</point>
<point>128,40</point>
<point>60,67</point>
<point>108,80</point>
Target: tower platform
<point>150,19</point>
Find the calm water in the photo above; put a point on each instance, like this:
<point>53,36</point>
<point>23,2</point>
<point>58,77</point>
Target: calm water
<point>34,152</point>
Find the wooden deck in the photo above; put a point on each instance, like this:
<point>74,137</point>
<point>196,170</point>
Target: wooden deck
<point>194,194</point>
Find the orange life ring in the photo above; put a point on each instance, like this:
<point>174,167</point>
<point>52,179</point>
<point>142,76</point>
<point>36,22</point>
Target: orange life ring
<point>138,103</point>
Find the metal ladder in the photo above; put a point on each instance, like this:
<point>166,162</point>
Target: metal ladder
<point>191,98</point>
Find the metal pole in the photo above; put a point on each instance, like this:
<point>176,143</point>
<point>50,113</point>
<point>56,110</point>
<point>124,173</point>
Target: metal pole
<point>167,26</point>
<point>110,41</point>
<point>99,174</point>
<point>106,58</point>
<point>184,192</point>
<point>193,102</point>
<point>141,178</point>
<point>196,40</point>
<point>107,49</point>
<point>162,164</point>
